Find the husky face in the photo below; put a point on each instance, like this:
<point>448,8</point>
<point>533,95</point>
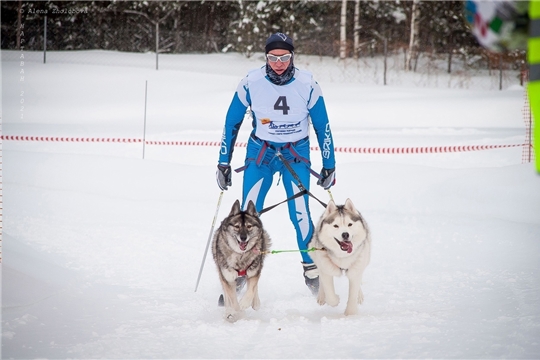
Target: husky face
<point>242,226</point>
<point>342,229</point>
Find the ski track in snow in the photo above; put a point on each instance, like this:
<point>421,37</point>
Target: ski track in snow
<point>101,249</point>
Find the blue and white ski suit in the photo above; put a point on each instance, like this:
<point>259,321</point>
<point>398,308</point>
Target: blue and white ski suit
<point>280,122</point>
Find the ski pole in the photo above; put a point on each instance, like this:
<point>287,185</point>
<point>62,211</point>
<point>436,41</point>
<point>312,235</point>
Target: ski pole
<point>208,242</point>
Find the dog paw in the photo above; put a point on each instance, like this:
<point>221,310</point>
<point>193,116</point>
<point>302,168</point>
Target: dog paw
<point>360,298</point>
<point>351,310</point>
<point>332,300</point>
<point>232,316</point>
<point>321,299</point>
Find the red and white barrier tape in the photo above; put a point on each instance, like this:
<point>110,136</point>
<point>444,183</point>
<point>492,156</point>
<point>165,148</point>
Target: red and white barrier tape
<point>68,139</point>
<point>356,150</point>
<point>423,149</point>
<point>190,143</point>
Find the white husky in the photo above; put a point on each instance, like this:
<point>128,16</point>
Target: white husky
<point>344,237</point>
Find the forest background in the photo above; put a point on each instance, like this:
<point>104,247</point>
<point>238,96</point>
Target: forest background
<point>435,30</point>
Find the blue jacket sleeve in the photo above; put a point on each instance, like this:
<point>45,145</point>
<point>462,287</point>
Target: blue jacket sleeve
<point>233,121</point>
<point>321,125</point>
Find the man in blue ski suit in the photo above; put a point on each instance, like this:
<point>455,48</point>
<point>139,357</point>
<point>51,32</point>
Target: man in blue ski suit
<point>282,99</point>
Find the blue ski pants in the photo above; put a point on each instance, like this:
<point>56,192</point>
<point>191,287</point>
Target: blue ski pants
<point>260,166</point>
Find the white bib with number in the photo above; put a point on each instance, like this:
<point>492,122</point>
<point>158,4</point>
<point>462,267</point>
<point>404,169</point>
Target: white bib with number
<point>281,112</point>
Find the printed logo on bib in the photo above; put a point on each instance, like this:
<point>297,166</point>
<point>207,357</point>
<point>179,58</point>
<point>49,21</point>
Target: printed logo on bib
<point>275,126</point>
<point>280,128</point>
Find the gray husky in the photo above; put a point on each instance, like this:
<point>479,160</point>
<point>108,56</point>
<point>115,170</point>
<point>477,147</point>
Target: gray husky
<point>239,248</point>
<point>344,240</point>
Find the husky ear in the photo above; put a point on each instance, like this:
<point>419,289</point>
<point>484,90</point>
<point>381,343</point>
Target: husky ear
<point>331,207</point>
<point>350,206</point>
<point>235,208</point>
<point>251,210</point>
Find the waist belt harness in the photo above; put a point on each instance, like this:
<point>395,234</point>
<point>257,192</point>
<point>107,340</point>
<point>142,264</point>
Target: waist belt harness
<point>259,159</point>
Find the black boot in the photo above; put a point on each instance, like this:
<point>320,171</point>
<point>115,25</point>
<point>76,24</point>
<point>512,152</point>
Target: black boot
<point>311,276</point>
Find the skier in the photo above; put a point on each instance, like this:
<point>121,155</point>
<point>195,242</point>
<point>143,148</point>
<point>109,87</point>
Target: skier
<point>282,100</point>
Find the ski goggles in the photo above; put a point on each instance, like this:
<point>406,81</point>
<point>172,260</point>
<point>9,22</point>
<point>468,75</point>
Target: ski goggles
<point>275,58</point>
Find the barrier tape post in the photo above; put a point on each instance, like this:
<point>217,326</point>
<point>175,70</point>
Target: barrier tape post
<point>527,154</point>
<point>144,130</point>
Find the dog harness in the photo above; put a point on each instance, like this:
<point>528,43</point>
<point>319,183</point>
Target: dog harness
<point>265,145</point>
<point>244,272</point>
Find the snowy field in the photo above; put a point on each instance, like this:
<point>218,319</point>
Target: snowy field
<point>101,248</point>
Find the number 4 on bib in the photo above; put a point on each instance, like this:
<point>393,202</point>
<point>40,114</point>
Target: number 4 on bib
<point>281,104</point>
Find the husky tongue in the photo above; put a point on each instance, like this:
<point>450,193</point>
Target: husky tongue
<point>243,245</point>
<point>346,246</point>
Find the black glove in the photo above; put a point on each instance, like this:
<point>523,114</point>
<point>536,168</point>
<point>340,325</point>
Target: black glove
<point>328,178</point>
<point>223,176</point>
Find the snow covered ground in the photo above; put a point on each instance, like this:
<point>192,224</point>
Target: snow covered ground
<point>101,248</point>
